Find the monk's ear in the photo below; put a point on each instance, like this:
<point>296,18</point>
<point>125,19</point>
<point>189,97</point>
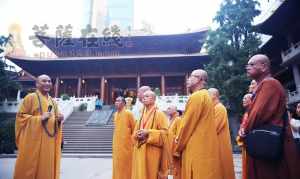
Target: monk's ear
<point>263,67</point>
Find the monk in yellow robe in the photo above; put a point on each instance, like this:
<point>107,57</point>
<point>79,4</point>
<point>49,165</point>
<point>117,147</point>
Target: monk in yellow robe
<point>38,134</point>
<point>150,142</point>
<point>122,144</point>
<point>246,104</point>
<point>197,141</point>
<point>223,132</point>
<point>173,131</point>
<point>138,106</point>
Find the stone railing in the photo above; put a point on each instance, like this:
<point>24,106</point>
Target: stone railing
<point>9,106</point>
<point>292,53</point>
<point>90,101</point>
<point>163,102</point>
<point>66,107</point>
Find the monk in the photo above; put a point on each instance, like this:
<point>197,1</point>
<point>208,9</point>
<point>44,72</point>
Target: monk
<point>150,142</point>
<point>138,107</point>
<point>252,86</point>
<point>38,134</point>
<point>197,141</point>
<point>292,153</point>
<point>174,127</point>
<point>268,106</point>
<point>246,104</point>
<point>122,143</point>
<point>223,132</point>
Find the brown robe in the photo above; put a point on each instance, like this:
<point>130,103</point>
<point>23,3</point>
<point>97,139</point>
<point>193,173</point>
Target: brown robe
<point>267,108</point>
<point>292,155</point>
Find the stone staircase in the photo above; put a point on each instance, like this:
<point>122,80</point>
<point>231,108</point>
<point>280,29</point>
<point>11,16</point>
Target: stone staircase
<point>80,138</point>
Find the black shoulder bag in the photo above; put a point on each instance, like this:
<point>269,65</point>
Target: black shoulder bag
<point>266,142</point>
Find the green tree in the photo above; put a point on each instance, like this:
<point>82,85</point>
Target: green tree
<point>230,47</point>
<point>7,84</point>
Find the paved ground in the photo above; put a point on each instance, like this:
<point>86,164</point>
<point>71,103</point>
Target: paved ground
<point>84,168</point>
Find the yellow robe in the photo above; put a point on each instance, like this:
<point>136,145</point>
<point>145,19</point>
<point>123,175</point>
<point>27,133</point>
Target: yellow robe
<point>122,144</point>
<point>174,128</point>
<point>148,162</point>
<point>38,154</point>
<point>225,148</point>
<point>197,140</point>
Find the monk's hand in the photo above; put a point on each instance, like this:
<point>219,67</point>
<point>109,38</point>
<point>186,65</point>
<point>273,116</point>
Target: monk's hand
<point>142,135</point>
<point>60,117</point>
<point>176,140</point>
<point>242,132</point>
<point>177,155</point>
<point>45,116</point>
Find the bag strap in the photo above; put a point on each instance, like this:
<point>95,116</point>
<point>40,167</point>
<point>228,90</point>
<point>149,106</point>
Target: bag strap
<point>285,118</point>
<point>44,123</point>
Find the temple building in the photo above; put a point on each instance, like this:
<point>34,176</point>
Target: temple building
<point>283,47</point>
<point>108,65</point>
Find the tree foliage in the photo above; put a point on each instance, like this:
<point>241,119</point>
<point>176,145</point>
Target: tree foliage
<point>7,85</point>
<point>229,47</point>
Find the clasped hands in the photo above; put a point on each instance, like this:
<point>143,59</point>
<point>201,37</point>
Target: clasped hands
<point>141,136</point>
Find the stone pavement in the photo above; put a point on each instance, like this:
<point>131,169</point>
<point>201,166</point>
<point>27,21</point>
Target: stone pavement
<point>85,168</point>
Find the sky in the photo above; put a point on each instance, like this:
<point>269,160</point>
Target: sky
<point>166,17</point>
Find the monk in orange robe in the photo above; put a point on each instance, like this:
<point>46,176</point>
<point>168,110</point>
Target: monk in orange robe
<point>122,143</point>
<point>222,125</point>
<point>197,141</point>
<point>38,134</point>
<point>174,127</point>
<point>149,142</point>
<point>267,107</point>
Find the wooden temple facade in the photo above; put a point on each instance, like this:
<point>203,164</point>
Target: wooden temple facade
<point>107,66</point>
<point>283,48</point>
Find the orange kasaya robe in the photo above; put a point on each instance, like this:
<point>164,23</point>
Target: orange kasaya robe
<point>225,148</point>
<point>149,158</point>
<point>197,140</point>
<point>122,144</point>
<point>173,131</point>
<point>38,154</point>
<point>240,143</point>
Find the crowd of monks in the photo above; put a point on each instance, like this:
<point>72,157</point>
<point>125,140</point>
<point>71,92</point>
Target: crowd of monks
<point>163,144</point>
<point>152,144</point>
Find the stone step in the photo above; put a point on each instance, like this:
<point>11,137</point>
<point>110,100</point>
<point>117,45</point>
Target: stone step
<point>82,138</point>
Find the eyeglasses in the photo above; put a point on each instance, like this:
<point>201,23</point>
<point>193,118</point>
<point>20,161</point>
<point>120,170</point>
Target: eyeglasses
<point>253,64</point>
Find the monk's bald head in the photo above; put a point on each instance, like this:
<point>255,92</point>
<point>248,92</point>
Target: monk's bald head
<point>215,94</point>
<point>41,77</point>
<point>172,109</point>
<point>197,80</point>
<point>201,74</point>
<point>149,98</point>
<point>141,92</point>
<point>258,67</point>
<point>43,83</point>
<point>260,58</point>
